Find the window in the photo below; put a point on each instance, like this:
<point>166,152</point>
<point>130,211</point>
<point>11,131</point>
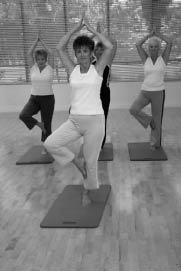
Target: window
<point>128,20</point>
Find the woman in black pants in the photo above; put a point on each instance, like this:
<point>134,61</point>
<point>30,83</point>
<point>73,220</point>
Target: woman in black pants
<point>153,87</point>
<point>42,98</point>
<point>105,89</point>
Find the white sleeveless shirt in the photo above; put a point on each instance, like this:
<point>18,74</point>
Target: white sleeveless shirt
<point>154,75</point>
<point>85,92</point>
<point>41,81</point>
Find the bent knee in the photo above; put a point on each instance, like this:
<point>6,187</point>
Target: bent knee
<point>133,111</point>
<point>51,144</point>
<point>22,116</point>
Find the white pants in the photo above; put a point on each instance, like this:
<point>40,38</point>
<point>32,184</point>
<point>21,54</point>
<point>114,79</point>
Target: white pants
<point>92,129</point>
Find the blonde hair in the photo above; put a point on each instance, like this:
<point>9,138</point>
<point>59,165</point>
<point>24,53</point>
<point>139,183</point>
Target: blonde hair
<point>158,41</point>
<point>155,39</point>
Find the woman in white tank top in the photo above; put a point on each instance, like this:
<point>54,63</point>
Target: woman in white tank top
<point>42,98</point>
<point>153,89</point>
<point>86,117</point>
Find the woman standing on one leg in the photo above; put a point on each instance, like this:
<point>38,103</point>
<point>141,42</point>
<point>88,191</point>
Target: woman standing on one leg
<point>42,97</point>
<point>105,89</point>
<point>86,117</point>
<point>153,89</point>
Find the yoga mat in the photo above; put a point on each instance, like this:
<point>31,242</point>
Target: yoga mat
<point>143,152</point>
<point>67,210</point>
<point>34,156</point>
<point>106,154</point>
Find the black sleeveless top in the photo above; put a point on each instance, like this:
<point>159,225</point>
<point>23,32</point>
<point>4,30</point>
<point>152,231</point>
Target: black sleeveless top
<point>105,80</point>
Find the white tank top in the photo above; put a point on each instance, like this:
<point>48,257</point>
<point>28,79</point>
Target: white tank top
<point>85,92</point>
<point>154,74</point>
<point>41,81</point>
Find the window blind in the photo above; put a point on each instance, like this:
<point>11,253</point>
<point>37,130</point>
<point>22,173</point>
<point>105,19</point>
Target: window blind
<point>127,20</point>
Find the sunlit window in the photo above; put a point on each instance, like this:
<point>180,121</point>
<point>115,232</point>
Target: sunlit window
<point>127,20</point>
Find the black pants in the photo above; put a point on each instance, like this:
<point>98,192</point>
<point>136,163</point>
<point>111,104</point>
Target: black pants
<point>105,99</point>
<point>44,104</point>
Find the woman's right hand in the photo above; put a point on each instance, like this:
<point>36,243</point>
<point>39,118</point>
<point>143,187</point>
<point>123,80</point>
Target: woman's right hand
<point>154,31</point>
<point>98,29</point>
<point>38,37</point>
<point>80,24</point>
<point>89,27</point>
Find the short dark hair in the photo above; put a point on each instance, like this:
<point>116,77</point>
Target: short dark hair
<point>100,44</point>
<point>83,41</point>
<point>41,52</point>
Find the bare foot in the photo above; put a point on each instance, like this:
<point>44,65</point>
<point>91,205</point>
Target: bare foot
<point>81,166</point>
<point>154,147</point>
<point>44,151</point>
<point>86,200</point>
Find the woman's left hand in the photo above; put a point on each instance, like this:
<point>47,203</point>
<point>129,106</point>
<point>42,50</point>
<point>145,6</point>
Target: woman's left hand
<point>89,27</point>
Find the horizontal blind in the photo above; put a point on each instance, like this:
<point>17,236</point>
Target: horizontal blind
<point>127,20</point>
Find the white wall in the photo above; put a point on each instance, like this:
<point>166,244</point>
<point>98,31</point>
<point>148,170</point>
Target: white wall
<point>13,97</point>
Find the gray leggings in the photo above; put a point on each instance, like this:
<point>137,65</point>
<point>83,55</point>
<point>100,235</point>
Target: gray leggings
<point>91,128</point>
<point>156,99</point>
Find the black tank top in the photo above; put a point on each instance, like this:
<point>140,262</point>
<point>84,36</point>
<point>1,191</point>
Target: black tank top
<point>106,78</point>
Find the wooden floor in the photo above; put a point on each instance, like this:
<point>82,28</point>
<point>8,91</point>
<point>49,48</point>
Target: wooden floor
<point>141,226</point>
